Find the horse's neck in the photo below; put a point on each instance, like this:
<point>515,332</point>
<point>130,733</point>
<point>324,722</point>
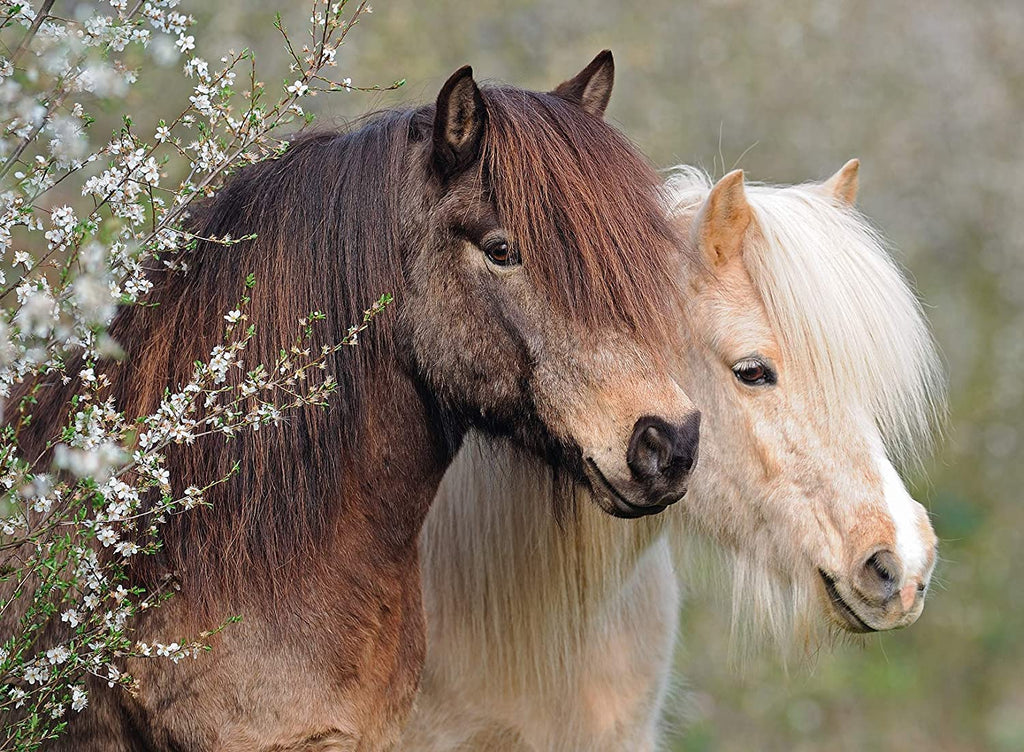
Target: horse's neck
<point>390,481</point>
<point>348,514</point>
<point>499,569</point>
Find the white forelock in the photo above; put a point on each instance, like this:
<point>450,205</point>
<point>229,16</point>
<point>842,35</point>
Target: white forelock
<point>840,306</point>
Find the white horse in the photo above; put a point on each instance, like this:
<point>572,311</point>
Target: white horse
<point>816,374</point>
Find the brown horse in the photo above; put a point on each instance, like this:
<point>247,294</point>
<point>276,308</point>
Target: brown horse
<point>528,255</point>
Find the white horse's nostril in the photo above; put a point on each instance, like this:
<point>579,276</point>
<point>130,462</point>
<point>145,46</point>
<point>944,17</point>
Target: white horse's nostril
<point>878,579</point>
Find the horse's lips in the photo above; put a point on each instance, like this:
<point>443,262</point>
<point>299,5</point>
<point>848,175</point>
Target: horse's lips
<point>613,502</point>
<point>842,608</point>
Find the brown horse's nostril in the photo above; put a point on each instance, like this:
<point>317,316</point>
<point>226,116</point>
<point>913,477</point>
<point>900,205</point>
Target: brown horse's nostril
<point>878,579</point>
<point>661,451</point>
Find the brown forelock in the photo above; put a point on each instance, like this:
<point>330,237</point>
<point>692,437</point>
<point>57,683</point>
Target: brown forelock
<point>584,209</point>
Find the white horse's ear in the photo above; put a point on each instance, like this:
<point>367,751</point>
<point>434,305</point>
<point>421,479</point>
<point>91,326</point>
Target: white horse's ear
<point>724,219</point>
<point>844,184</point>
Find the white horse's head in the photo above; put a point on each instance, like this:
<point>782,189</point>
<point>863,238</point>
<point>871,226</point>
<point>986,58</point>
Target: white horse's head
<point>816,375</point>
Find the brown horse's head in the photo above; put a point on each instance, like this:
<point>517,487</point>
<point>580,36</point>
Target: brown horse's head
<point>537,277</point>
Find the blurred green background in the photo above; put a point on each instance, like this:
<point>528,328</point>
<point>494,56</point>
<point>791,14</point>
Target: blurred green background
<point>929,94</point>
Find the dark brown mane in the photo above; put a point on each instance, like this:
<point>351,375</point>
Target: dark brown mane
<point>326,217</point>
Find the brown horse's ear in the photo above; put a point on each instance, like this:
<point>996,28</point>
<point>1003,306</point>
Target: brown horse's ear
<point>724,219</point>
<point>591,88</point>
<point>458,124</point>
<point>844,184</point>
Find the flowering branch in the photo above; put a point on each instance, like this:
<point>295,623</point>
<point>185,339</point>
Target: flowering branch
<point>82,226</point>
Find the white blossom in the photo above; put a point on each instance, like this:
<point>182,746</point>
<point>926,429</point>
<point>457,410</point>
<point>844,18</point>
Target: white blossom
<point>58,655</point>
<point>79,699</point>
<point>106,536</point>
<point>36,674</point>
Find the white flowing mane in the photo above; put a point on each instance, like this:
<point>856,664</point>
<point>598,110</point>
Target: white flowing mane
<point>867,340</point>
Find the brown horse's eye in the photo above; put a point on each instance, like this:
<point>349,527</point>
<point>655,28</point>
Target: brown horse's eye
<point>754,372</point>
<point>499,252</point>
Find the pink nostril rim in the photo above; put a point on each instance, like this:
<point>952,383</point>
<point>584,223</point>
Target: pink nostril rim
<point>909,593</point>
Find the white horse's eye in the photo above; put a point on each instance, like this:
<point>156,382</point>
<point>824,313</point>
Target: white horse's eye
<point>754,372</point>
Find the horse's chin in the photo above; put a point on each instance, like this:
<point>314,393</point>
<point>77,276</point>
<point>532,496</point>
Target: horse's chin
<point>613,500</point>
<point>842,613</point>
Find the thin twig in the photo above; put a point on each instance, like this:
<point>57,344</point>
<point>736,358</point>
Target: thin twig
<point>41,16</point>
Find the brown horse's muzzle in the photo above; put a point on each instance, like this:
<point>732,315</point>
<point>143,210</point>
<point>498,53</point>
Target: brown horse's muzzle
<point>659,457</point>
